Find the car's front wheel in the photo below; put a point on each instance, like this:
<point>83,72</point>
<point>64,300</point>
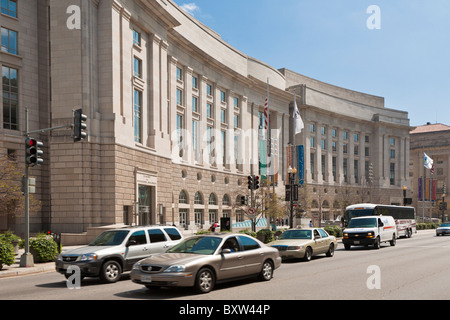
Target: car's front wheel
<point>205,280</point>
<point>111,271</point>
<point>308,254</point>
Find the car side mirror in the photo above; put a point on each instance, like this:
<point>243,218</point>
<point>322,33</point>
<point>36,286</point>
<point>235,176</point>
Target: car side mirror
<point>131,243</point>
<point>226,251</point>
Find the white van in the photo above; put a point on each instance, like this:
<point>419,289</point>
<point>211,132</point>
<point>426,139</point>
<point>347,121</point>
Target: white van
<point>370,230</point>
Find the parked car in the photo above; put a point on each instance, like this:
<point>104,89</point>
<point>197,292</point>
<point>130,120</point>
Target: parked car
<point>443,229</point>
<point>370,230</point>
<point>115,251</point>
<point>305,243</point>
<point>204,260</point>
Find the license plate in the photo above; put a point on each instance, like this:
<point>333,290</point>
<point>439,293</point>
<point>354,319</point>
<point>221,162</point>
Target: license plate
<point>146,278</point>
<point>356,242</point>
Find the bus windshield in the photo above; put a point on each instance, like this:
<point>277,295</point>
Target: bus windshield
<point>363,223</point>
<point>359,213</point>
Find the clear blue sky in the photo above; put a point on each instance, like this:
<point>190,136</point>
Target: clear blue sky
<point>407,61</point>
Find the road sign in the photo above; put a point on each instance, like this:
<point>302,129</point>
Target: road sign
<point>251,211</point>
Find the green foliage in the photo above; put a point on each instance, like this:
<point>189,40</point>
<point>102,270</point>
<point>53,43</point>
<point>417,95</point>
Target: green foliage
<point>334,231</point>
<point>9,237</point>
<point>7,255</point>
<point>265,235</point>
<point>425,226</point>
<point>43,248</point>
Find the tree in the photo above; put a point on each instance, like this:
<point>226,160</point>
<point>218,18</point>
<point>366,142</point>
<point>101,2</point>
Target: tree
<point>11,196</point>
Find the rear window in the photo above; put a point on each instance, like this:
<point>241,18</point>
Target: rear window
<point>156,235</point>
<point>173,233</point>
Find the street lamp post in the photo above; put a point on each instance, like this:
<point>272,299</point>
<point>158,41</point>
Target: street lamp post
<point>292,172</point>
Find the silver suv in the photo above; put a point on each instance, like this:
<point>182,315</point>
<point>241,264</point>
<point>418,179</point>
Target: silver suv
<point>115,251</point>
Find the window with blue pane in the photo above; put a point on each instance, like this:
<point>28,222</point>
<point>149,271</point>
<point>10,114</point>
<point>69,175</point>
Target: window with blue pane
<point>9,7</point>
<point>10,95</point>
<point>137,116</point>
<point>9,41</point>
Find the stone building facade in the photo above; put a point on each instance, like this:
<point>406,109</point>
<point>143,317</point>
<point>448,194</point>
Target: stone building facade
<point>434,141</point>
<point>176,120</point>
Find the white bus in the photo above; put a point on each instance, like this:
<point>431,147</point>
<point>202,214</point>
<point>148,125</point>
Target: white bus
<point>405,217</point>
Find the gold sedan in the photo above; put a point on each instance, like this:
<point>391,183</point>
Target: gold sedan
<point>305,243</point>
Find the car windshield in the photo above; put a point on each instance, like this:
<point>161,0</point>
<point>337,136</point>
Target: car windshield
<point>110,238</point>
<point>296,234</point>
<point>198,245</point>
<point>363,223</point>
<point>445,225</point>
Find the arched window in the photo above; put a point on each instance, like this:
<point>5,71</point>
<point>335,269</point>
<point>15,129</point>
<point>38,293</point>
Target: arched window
<point>314,204</point>
<point>325,204</point>
<point>212,199</point>
<point>226,200</point>
<point>198,199</point>
<point>183,197</point>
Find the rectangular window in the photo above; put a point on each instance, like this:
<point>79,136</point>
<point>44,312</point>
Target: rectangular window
<point>195,82</point>
<point>236,121</point>
<point>345,135</point>
<point>179,74</point>
<point>311,157</point>
<point>209,146</point>
<point>334,164</point>
<point>179,97</point>
<point>209,90</point>
<point>392,174</point>
<point>344,167</point>
<point>180,127</point>
<point>223,116</point>
<point>195,134</point>
<point>137,67</point>
<point>224,147</point>
<point>137,116</point>
<point>222,96</point>
<point>9,7</point>
<point>323,165</point>
<point>312,142</point>
<point>356,170</point>
<point>209,111</point>
<point>236,102</point>
<point>9,41</point>
<point>136,38</point>
<point>10,94</point>
<point>195,104</point>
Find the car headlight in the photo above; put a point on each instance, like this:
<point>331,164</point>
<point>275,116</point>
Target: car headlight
<point>87,257</point>
<point>137,265</point>
<point>176,268</point>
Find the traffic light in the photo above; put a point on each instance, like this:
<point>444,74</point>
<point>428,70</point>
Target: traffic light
<point>250,182</point>
<point>256,183</point>
<point>79,125</point>
<point>33,152</point>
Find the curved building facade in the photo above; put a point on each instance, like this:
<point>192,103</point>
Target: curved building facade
<point>176,121</point>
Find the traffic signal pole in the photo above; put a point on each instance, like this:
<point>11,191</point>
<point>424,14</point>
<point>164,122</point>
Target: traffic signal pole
<point>26,260</point>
